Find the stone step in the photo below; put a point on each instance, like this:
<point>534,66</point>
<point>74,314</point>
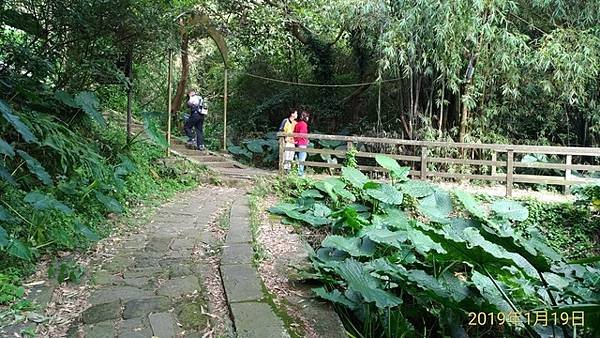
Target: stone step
<point>184,151</point>
<point>221,164</point>
<point>207,158</point>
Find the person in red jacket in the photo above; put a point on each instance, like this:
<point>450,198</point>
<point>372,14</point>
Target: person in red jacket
<point>301,142</point>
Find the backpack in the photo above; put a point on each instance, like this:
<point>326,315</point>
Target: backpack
<point>282,124</point>
<point>203,107</point>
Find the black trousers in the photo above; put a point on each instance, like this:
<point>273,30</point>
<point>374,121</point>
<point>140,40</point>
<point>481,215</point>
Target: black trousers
<point>196,121</point>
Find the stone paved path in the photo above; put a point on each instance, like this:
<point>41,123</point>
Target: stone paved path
<point>252,316</point>
<point>153,285</point>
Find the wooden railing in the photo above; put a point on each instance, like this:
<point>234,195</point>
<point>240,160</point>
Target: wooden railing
<point>501,156</point>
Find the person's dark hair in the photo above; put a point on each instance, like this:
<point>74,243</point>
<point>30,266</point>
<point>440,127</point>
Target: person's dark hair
<point>304,116</point>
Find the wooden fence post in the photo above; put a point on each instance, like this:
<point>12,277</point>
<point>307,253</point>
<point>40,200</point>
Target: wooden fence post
<point>568,174</point>
<point>281,153</point>
<point>494,158</point>
<point>509,171</point>
<point>423,163</point>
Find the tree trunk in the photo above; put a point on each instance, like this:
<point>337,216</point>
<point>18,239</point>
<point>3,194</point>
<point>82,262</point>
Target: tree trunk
<point>441,121</point>
<point>464,117</point>
<point>185,72</point>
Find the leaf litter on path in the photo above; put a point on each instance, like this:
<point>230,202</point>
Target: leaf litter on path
<point>281,246</point>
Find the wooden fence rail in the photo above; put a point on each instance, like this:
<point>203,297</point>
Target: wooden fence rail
<point>424,166</point>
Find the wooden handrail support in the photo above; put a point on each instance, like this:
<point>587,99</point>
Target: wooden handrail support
<point>509,177</point>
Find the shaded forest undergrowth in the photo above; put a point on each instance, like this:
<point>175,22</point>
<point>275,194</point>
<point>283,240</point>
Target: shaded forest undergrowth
<point>63,185</point>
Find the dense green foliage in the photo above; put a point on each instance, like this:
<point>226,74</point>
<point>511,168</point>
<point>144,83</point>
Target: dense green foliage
<point>83,179</point>
<point>518,71</point>
<point>588,195</point>
<point>502,71</point>
<point>66,164</point>
<point>409,259</point>
<point>570,228</point>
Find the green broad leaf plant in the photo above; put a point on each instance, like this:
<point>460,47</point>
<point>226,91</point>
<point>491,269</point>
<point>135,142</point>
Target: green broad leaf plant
<point>428,265</point>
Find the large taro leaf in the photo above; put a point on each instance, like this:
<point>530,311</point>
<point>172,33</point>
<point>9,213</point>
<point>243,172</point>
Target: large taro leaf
<point>3,238</point>
<point>237,150</point>
<point>436,206</point>
<point>469,202</point>
<point>422,242</point>
<point>344,193</point>
<point>335,187</point>
<point>467,245</point>
<point>354,246</point>
<point>16,122</point>
<point>534,250</point>
<point>109,203</point>
<point>447,289</point>
<point>282,208</point>
<point>36,168</point>
<point>86,231</point>
<point>417,188</point>
<point>6,176</point>
<point>395,218</point>
<point>360,208</point>
<point>556,281</point>
<point>5,216</point>
<point>386,193</point>
<point>335,182</point>
<point>384,266</point>
<point>255,146</point>
<point>321,210</point>
<point>308,217</point>
<point>390,164</point>
<point>335,296</point>
<point>356,178</point>
<point>325,257</point>
<point>305,203</point>
<point>359,280</point>
<point>490,292</point>
<point>42,201</point>
<point>459,287</point>
<point>312,193</point>
<point>327,188</point>
<point>6,148</point>
<point>16,248</point>
<point>88,102</point>
<point>385,236</point>
<point>537,241</point>
<point>510,210</point>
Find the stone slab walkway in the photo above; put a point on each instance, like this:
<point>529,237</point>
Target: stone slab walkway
<point>153,286</point>
<point>252,316</point>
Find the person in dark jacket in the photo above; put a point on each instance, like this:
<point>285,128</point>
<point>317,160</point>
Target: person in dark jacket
<point>195,121</point>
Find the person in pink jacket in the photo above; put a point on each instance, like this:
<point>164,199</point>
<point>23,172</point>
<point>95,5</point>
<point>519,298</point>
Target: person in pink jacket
<point>301,142</point>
